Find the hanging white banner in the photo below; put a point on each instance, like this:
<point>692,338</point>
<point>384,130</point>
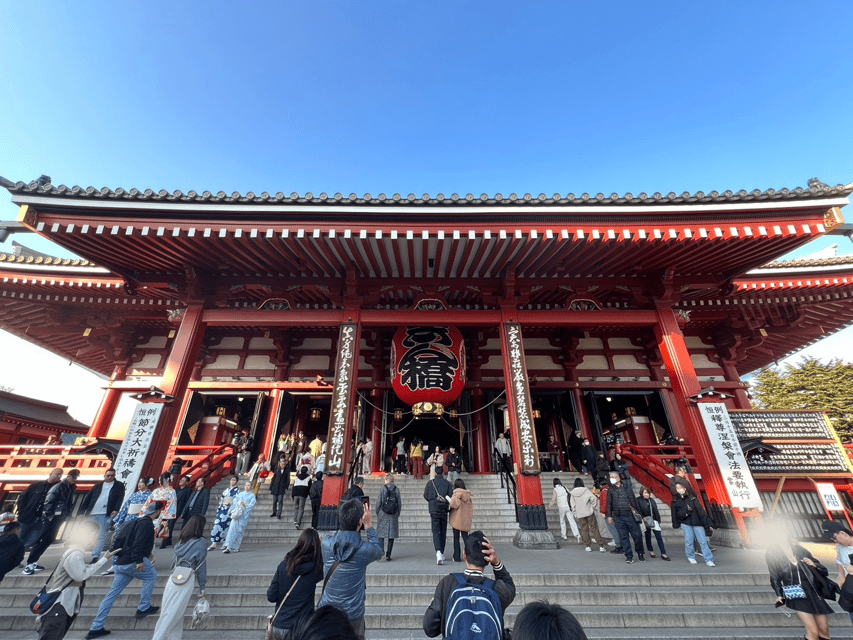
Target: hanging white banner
<point>736,475</point>
<point>134,449</point>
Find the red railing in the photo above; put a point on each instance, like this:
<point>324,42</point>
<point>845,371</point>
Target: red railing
<point>21,465</point>
<point>654,465</point>
<point>210,462</point>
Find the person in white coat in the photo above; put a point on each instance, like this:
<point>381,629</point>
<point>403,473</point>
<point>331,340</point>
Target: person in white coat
<point>561,498</point>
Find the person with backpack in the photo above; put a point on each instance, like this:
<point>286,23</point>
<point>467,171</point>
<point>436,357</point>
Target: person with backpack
<point>485,599</point>
<point>388,515</point>
<point>69,579</point>
<point>438,492</point>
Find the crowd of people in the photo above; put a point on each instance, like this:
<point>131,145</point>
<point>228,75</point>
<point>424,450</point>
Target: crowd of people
<point>118,534</point>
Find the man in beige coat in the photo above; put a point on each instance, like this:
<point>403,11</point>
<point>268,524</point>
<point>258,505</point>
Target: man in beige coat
<point>461,516</point>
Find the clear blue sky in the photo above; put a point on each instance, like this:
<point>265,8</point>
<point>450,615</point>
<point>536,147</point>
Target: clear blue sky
<point>426,97</point>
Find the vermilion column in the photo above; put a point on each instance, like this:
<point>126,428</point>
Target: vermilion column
<point>482,451</point>
<point>177,373</point>
<point>106,412</point>
<point>532,521</point>
<point>374,430</point>
<point>741,398</point>
<point>685,384</point>
<point>271,423</point>
<point>341,422</point>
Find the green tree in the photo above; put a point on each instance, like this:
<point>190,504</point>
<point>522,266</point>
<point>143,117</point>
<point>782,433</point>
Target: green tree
<point>810,384</point>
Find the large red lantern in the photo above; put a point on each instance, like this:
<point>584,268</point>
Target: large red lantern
<point>428,367</point>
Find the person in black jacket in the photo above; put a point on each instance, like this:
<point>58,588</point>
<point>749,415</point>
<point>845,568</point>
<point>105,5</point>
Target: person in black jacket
<point>315,493</point>
<point>57,507</point>
<point>621,504</point>
<point>438,493</point>
<point>30,506</point>
<point>11,548</point>
<point>305,563</point>
<point>791,565</point>
<point>278,487</point>
<point>651,519</point>
<point>689,515</point>
<point>589,456</point>
<point>602,470</point>
<point>135,545</point>
<point>478,553</point>
<point>101,505</point>
<point>454,465</point>
<point>197,502</point>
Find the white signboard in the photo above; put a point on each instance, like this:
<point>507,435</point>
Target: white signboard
<point>736,475</point>
<point>134,449</point>
<point>829,495</point>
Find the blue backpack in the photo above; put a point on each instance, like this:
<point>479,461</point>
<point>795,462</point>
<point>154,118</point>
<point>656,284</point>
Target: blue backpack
<point>473,611</point>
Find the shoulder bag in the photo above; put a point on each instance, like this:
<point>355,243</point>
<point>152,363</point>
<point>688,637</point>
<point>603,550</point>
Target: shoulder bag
<point>794,591</point>
<point>438,497</point>
<point>269,634</point>
<point>182,575</point>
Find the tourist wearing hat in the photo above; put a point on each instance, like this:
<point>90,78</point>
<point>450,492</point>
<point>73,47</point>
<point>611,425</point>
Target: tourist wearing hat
<point>843,540</point>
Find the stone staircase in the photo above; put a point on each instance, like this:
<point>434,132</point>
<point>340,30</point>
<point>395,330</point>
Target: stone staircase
<point>682,603</point>
<point>612,600</point>
<point>492,513</point>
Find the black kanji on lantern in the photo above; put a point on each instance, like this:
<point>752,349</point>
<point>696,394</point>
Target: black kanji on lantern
<point>428,362</point>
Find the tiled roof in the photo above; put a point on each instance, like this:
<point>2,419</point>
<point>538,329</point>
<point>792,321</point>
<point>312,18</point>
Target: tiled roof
<point>39,411</point>
<point>815,190</point>
<point>806,263</point>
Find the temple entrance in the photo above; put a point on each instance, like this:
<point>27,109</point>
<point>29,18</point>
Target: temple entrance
<point>213,418</point>
<point>627,417</point>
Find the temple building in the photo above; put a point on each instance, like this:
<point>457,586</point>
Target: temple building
<point>609,317</point>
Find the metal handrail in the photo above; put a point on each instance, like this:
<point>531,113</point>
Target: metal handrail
<point>507,481</point>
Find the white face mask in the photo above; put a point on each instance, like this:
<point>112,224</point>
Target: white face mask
<point>613,480</point>
<point>681,493</point>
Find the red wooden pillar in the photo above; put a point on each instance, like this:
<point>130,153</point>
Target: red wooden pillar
<point>482,449</point>
<point>374,429</point>
<point>271,424</point>
<point>177,373</point>
<point>533,533</point>
<point>341,422</point>
<point>106,412</point>
<point>685,384</point>
<point>741,397</point>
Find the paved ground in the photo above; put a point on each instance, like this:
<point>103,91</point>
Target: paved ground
<point>571,559</point>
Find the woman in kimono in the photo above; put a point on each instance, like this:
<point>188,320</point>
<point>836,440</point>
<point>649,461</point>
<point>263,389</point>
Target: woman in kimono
<point>132,507</point>
<point>163,493</point>
<point>256,473</point>
<point>240,511</point>
<point>223,520</point>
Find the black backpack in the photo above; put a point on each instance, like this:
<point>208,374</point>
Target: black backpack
<point>390,505</point>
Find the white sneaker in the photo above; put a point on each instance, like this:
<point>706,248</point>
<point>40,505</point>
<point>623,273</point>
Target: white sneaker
<point>579,539</point>
<point>565,538</point>
<point>212,546</point>
<point>710,563</point>
<point>611,544</point>
<point>438,558</point>
<point>691,560</point>
<point>589,548</point>
<point>602,549</point>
